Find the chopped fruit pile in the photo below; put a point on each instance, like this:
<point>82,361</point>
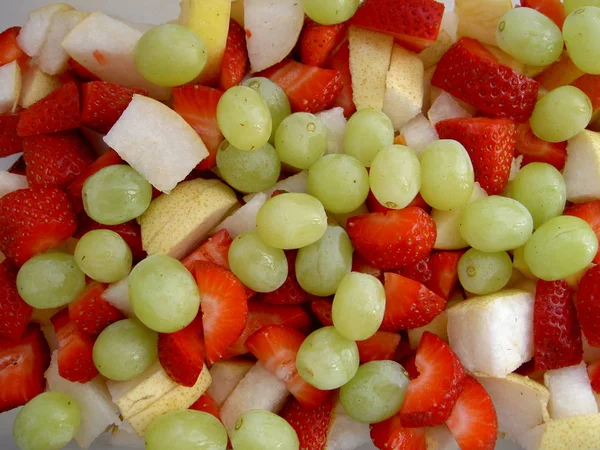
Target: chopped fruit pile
<point>303,225</point>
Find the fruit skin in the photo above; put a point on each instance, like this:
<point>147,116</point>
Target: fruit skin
<point>15,314</point>
<point>10,141</point>
<point>469,72</point>
<point>23,365</point>
<point>311,424</point>
<point>556,332</point>
<point>235,59</point>
<point>535,149</point>
<point>490,144</point>
<point>317,42</point>
<point>438,271</point>
<point>290,292</point>
<point>215,250</point>
<point>91,312</point>
<point>553,9</point>
<point>49,221</point>
<point>340,61</point>
<point>129,231</point>
<point>390,434</point>
<point>379,347</point>
<point>10,50</point>
<point>208,405</point>
<point>375,237</point>
<point>588,305</point>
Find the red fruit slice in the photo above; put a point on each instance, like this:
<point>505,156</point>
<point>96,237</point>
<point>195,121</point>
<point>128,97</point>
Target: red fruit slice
<point>340,61</point>
<point>390,434</point>
<point>10,50</point>
<point>10,141</point>
<point>588,305</point>
<point>91,312</point>
<point>81,72</point>
<point>594,374</point>
<point>215,250</point>
<point>590,212</point>
<point>235,59</point>
<point>444,273</point>
<point>379,347</point>
<point>208,405</point>
<point>15,314</point>
<point>553,9</point>
<point>311,424</point>
<point>360,265</point>
<point>321,307</point>
<point>535,149</point>
<point>317,42</point>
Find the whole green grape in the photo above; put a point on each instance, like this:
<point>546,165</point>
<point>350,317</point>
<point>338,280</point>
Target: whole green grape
<point>484,273</point>
<point>581,32</point>
<point>368,131</point>
<point>275,98</point>
<point>330,12</point>
<point>262,430</point>
<point>572,5</point>
<point>301,140</point>
<point>103,255</point>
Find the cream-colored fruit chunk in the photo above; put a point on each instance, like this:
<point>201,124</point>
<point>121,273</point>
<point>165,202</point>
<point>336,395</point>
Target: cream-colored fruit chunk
<point>10,182</point>
<point>478,19</point>
<point>33,34</point>
<point>226,375</point>
<point>175,224</point>
<point>345,433</point>
<point>419,133</point>
<point>432,54</point>
<point>244,219</point>
<point>574,433</point>
<point>10,87</point>
<point>335,127</point>
<point>446,107</point>
<point>582,170</point>
<point>53,58</point>
<point>440,438</point>
<point>36,85</point>
<point>571,393</point>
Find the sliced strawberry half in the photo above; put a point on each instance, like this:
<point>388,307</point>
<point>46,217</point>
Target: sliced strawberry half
<point>91,312</point>
<point>379,347</point>
<point>215,250</point>
<point>235,59</point>
<point>590,212</point>
<point>321,307</point>
<point>10,50</point>
<point>590,85</point>
<point>340,61</point>
<point>15,314</point>
<point>317,42</point>
<point>360,265</point>
<point>588,305</point>
<point>290,292</point>
<point>391,435</point>
<point>208,405</point>
<point>535,149</point>
<point>10,141</point>
<point>444,273</point>
<point>311,424</point>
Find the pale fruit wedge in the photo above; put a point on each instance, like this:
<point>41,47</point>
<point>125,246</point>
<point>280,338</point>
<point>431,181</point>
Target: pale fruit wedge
<point>244,219</point>
<point>440,438</point>
<point>272,30</point>
<point>156,142</point>
<point>10,87</point>
<point>432,54</point>
<point>574,433</point>
<point>124,436</point>
<point>10,182</point>
<point>53,58</point>
<point>335,126</point>
<point>117,294</point>
<point>33,34</point>
<point>175,224</point>
<point>570,392</point>
<point>479,19</point>
<point>237,11</point>
<point>226,376</point>
<point>36,85</point>
<point>493,334</point>
<point>446,107</point>
<point>582,170</point>
<point>419,133</point>
<point>345,433</point>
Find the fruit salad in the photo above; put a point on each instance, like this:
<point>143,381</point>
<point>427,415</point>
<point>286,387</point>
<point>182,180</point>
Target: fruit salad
<point>303,225</point>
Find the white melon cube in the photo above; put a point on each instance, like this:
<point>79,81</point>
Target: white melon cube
<point>335,127</point>
<point>33,33</point>
<point>10,182</point>
<point>582,170</point>
<point>117,294</point>
<point>226,376</point>
<point>10,87</point>
<point>573,433</point>
<point>419,133</point>
<point>446,107</point>
<point>571,393</point>
<point>244,219</point>
<point>297,183</point>
<point>345,433</point>
<point>53,58</point>
<point>36,85</point>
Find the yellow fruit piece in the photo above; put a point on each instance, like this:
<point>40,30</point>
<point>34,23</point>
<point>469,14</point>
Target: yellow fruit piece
<point>432,54</point>
<point>579,432</point>
<point>478,19</point>
<point>36,85</point>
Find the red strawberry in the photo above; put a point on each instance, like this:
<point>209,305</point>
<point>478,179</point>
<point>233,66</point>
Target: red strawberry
<point>321,308</point>
<point>590,212</point>
<point>102,104</point>
<point>415,24</point>
<point>181,354</point>
<point>75,347</point>
<point>22,367</point>
<point>276,348</point>
<point>317,42</point>
<point>34,220</point>
<point>490,144</point>
<point>469,72</point>
<point>290,292</point>
<point>590,85</point>
<point>409,304</point>
<point>215,250</point>
<point>373,204</point>
<point>340,61</point>
<point>419,271</point>
<point>391,435</point>
<point>224,308</point>
<point>208,405</point>
<point>59,111</point>
<point>410,365</point>
<point>431,396</point>
<point>91,312</point>
<point>10,50</point>
<point>360,265</point>
<point>235,58</point>
<point>311,424</point>
<point>594,374</point>
<point>15,314</point>
<point>588,305</point>
<point>394,239</point>
<point>553,9</point>
<point>473,422</point>
<point>81,71</point>
<point>379,347</point>
<point>309,88</point>
<point>198,106</point>
<point>535,149</point>
<point>556,332</point>
<point>56,159</point>
<point>10,142</point>
<point>444,273</point>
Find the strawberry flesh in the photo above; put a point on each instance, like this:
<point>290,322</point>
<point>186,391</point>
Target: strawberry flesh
<point>590,212</point>
<point>321,308</point>
<point>317,42</point>
<point>535,149</point>
<point>588,305</point>
<point>311,424</point>
<point>10,141</point>
<point>340,61</point>
<point>379,347</point>
<point>91,312</point>
<point>214,250</point>
<point>10,50</point>
<point>553,9</point>
<point>391,435</point>
<point>15,314</point>
<point>208,405</point>
<point>235,59</point>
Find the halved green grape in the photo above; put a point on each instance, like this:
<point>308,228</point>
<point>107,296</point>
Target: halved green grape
<point>376,392</point>
<point>321,266</point>
<point>529,36</point>
<point>262,430</point>
<point>482,272</point>
<point>572,5</point>
<point>561,114</point>
<point>326,359</point>
<point>258,265</point>
<point>358,306</point>
<point>368,131</point>
<point>125,349</point>
<point>170,55</point>
<point>290,221</point>
<point>301,140</point>
<point>561,247</point>
<point>275,98</point>
<point>163,294</point>
<point>116,194</point>
<point>248,171</point>
<point>395,176</point>
<point>48,422</point>
<point>495,224</point>
<point>244,118</point>
<point>340,182</point>
<point>330,12</point>
<point>542,190</point>
<point>103,255</point>
<point>186,430</point>
<point>50,280</point>
<point>581,32</point>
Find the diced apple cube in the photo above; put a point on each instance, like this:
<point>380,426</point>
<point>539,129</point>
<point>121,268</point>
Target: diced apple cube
<point>446,107</point>
<point>33,33</point>
<point>10,87</point>
<point>345,433</point>
<point>419,133</point>
<point>432,54</point>
<point>581,433</point>
<point>478,19</point>
<point>244,219</point>
<point>226,376</point>
<point>36,85</point>
<point>335,127</point>
<point>53,58</point>
<point>571,393</point>
<point>582,170</point>
<point>10,182</point>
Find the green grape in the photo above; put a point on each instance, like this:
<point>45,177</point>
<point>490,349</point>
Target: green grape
<point>561,247</point>
<point>529,36</point>
<point>561,114</point>
<point>258,265</point>
<point>368,131</point>
<point>326,359</point>
<point>163,294</point>
<point>301,140</point>
<point>495,224</point>
<point>340,182</point>
<point>321,266</point>
<point>542,190</point>
<point>186,430</point>
<point>290,221</point>
<point>116,194</point>
<point>103,255</point>
<point>330,12</point>
<point>244,118</point>
<point>275,98</point>
<point>484,273</point>
<point>395,176</point>
<point>248,171</point>
<point>376,392</point>
<point>48,422</point>
<point>50,280</point>
<point>170,55</point>
<point>125,349</point>
<point>262,430</point>
<point>572,5</point>
<point>358,306</point>
<point>581,32</point>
